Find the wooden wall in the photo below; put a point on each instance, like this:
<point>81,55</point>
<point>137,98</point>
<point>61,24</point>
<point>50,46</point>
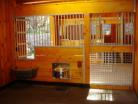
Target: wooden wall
<point>94,6</point>
<point>6,40</point>
<point>136,52</point>
<point>46,56</point>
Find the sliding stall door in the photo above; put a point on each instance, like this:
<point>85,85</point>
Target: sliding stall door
<point>111,52</point>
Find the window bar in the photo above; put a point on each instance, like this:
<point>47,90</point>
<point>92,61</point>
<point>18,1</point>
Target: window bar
<point>26,33</point>
<point>122,32</point>
<point>63,33</point>
<point>132,34</point>
<point>55,24</point>
<point>92,23</point>
<point>41,31</point>
<point>19,33</point>
<point>69,29</point>
<point>76,24</point>
<point>45,32</point>
<point>58,29</point>
<point>96,18</point>
<point>128,35</point>
<point>72,28</point>
<point>27,37</point>
<point>38,32</point>
<point>119,31</point>
<point>66,29</point>
<point>81,28</point>
<point>17,37</point>
<point>101,31</point>
<point>116,32</point>
<point>78,29</point>
<point>99,28</point>
<point>125,22</point>
<point>34,19</point>
<point>21,36</point>
<point>46,28</point>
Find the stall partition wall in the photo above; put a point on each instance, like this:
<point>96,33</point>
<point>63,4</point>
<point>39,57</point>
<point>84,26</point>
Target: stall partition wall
<point>112,67</point>
<point>35,38</point>
<point>49,39</point>
<point>98,44</point>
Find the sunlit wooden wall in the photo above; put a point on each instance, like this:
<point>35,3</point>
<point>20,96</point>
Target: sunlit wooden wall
<point>6,40</point>
<point>46,56</point>
<point>93,6</point>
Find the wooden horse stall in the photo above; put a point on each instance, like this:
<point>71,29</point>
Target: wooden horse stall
<point>112,49</point>
<point>77,42</point>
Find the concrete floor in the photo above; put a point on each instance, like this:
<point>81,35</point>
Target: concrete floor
<point>21,93</point>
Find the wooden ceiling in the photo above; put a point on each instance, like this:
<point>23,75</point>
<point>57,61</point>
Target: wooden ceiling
<point>45,1</point>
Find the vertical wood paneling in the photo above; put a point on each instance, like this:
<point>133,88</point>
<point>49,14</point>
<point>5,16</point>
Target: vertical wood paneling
<point>6,40</point>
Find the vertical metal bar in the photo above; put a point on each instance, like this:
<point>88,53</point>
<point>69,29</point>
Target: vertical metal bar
<point>42,31</point>
<point>125,34</point>
<point>132,22</point>
<point>66,29</point>
<point>75,31</point>
<point>21,36</point>
<point>99,28</point>
<point>47,37</point>
<point>70,30</point>
<point>119,30</point>
<point>128,22</point>
<point>122,30</point>
<point>26,28</point>
<point>79,30</point>
<point>58,16</point>
<point>47,34</point>
<point>55,24</point>
<point>133,35</point>
<point>60,32</point>
<point>116,29</point>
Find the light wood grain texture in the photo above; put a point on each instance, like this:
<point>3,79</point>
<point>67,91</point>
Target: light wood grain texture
<point>95,6</point>
<point>6,40</point>
<point>46,56</point>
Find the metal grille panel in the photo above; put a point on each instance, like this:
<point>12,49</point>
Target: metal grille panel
<point>35,31</point>
<point>112,29</point>
<point>108,68</point>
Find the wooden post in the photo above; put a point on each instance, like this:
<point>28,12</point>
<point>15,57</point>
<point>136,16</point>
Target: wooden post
<point>52,30</point>
<point>87,47</point>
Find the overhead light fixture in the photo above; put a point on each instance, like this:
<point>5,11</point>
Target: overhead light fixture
<point>36,2</point>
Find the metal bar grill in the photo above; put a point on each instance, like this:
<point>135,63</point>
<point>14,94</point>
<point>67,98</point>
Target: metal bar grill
<point>112,29</point>
<point>30,32</point>
<point>110,68</point>
<point>35,31</point>
<point>69,30</point>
